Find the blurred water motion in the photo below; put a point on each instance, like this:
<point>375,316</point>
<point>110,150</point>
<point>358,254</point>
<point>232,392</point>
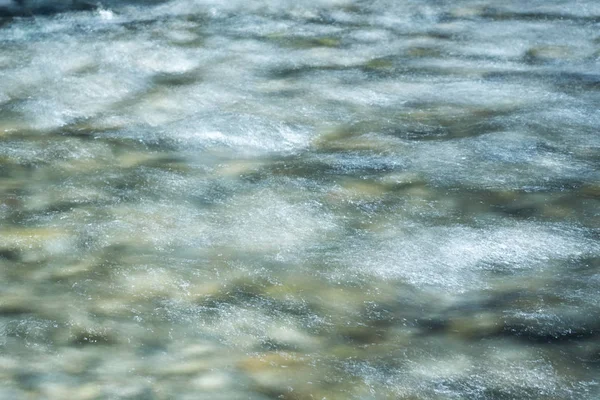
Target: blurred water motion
<point>322,199</point>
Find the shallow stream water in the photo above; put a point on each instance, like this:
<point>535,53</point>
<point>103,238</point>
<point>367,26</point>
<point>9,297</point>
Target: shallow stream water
<point>320,199</point>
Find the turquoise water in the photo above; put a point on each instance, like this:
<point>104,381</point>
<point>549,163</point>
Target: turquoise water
<point>325,199</point>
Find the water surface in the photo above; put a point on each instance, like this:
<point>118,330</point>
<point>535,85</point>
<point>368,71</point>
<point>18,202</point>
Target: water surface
<point>321,199</point>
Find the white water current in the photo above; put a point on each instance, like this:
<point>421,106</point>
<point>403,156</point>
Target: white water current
<point>311,199</point>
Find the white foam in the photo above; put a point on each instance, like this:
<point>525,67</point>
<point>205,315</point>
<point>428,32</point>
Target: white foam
<point>458,258</point>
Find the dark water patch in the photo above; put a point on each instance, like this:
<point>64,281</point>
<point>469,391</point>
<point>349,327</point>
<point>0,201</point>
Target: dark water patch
<point>499,14</point>
<point>422,122</point>
<point>586,266</point>
<point>562,79</point>
<point>29,380</point>
<point>12,170</point>
<point>177,79</point>
<point>427,123</point>
<point>546,335</point>
<point>85,128</point>
<point>553,203</point>
<point>361,334</point>
<point>99,337</point>
<point>13,308</point>
<point>405,66</point>
<point>417,52</point>
<point>380,65</point>
<point>241,293</point>
<point>29,8</point>
<point>10,255</point>
<point>298,72</point>
<point>247,295</point>
<point>546,55</point>
<point>540,318</point>
<point>301,42</point>
<point>213,195</point>
<point>301,166</point>
<point>5,18</point>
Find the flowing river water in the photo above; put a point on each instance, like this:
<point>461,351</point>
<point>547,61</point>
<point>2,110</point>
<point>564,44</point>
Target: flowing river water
<point>312,199</point>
